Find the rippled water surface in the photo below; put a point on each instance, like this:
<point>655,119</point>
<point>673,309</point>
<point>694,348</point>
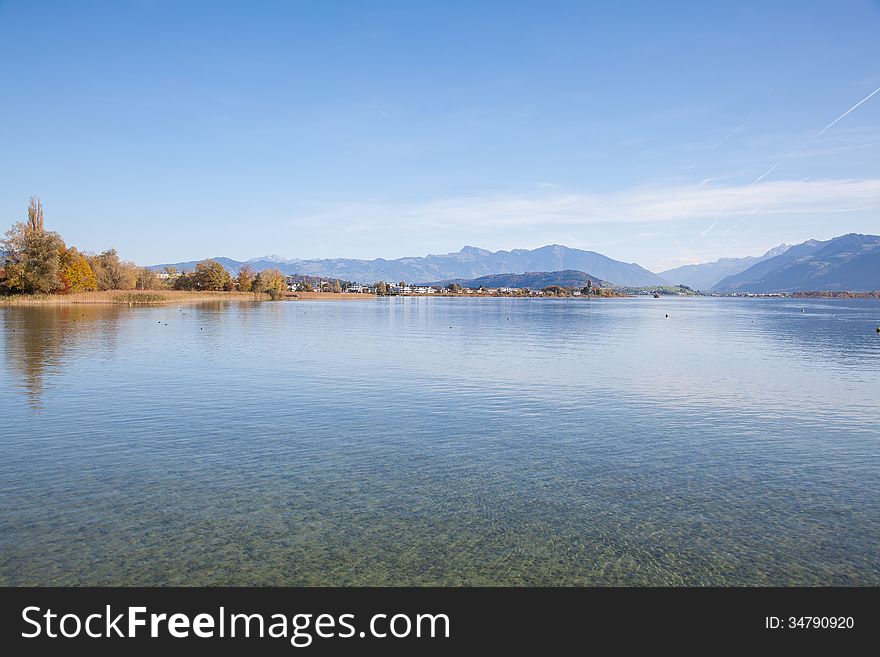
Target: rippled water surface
<point>442,441</point>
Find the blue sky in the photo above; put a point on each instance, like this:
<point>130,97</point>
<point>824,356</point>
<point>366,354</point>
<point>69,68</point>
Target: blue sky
<point>181,130</point>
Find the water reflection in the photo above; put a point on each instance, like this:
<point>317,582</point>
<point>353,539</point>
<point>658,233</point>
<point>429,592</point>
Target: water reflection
<point>441,441</point>
<point>37,340</point>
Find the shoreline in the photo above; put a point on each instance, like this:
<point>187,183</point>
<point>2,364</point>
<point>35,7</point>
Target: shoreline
<point>327,296</point>
<point>179,297</point>
<point>128,297</point>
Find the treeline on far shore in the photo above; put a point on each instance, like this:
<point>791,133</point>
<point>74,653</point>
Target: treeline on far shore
<point>35,260</point>
<point>835,294</point>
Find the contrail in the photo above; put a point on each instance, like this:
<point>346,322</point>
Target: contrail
<point>790,155</point>
<point>778,164</point>
<point>714,221</point>
<point>737,128</point>
<point>816,136</point>
<point>756,209</point>
<point>746,217</point>
<point>850,110</point>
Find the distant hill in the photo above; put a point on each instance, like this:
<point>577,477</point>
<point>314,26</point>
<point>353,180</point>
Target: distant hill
<point>190,265</point>
<point>708,275</point>
<point>257,264</point>
<point>849,262</point>
<point>534,280</point>
<point>468,263</point>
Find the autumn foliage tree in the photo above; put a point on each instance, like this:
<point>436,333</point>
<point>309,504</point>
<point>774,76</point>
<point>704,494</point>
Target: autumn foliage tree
<point>209,275</point>
<point>270,281</point>
<point>36,261</point>
<point>32,254</point>
<point>245,279</point>
<point>76,273</point>
<point>147,279</point>
<point>554,291</point>
<point>112,273</point>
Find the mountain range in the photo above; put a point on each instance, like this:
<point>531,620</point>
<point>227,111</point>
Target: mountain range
<point>468,263</point>
<point>534,280</point>
<point>849,262</point>
<point>707,275</point>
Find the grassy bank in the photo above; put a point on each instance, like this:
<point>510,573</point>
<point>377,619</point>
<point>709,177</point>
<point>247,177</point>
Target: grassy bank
<point>128,297</point>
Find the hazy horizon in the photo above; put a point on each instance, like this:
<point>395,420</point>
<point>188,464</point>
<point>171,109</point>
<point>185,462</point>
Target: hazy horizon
<point>660,135</point>
<point>287,258</point>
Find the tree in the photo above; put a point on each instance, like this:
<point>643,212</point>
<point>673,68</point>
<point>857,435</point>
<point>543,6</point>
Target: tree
<point>32,254</point>
<point>245,279</point>
<point>147,279</point>
<point>554,290</point>
<point>381,288</point>
<point>75,272</point>
<point>455,288</point>
<point>111,273</point>
<point>336,288</point>
<point>208,275</point>
<point>35,215</point>
<point>169,275</point>
<point>270,280</point>
<point>184,281</point>
<point>211,275</point>
<point>306,286</point>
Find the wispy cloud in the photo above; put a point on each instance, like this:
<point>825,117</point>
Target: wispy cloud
<point>633,205</point>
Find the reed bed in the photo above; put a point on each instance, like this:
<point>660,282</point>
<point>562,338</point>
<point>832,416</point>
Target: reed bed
<point>128,297</point>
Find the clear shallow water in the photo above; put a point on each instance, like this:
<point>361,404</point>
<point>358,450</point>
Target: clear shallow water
<point>442,441</point>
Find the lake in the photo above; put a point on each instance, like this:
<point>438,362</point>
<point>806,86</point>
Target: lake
<point>450,441</point>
